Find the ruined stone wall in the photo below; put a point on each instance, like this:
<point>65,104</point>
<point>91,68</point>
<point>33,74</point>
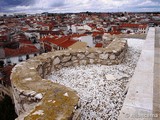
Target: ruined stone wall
<point>35,97</point>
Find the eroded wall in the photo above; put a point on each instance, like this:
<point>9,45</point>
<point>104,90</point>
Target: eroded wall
<point>35,97</point>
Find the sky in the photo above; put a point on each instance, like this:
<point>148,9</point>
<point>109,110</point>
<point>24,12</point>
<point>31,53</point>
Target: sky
<point>73,6</point>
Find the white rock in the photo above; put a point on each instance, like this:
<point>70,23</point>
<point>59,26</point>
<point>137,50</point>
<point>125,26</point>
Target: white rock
<point>56,61</point>
<point>32,68</point>
<point>39,96</point>
<point>66,94</point>
<point>65,59</point>
<point>92,55</point>
<point>112,57</point>
<point>80,56</point>
<point>114,51</point>
<point>73,58</point>
<point>39,112</point>
<point>83,62</point>
<point>91,61</point>
<point>103,56</point>
<point>110,77</point>
<point>28,92</point>
<point>49,100</point>
<point>32,93</point>
<point>28,79</point>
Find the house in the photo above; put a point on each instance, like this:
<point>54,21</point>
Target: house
<point>84,38</point>
<point>14,56</point>
<point>80,28</point>
<point>97,37</point>
<point>133,28</point>
<point>53,42</point>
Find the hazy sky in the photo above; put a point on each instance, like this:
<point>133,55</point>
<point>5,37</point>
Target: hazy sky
<point>62,6</point>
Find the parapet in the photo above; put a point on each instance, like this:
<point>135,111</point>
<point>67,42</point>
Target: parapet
<point>38,98</point>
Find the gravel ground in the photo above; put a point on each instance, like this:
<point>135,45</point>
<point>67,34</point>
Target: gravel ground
<point>101,88</point>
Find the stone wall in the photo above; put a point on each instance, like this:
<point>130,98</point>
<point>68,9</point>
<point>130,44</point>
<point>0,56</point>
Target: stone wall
<point>138,36</point>
<point>35,97</point>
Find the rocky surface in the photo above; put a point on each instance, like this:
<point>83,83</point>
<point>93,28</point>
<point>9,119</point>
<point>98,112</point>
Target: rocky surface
<point>101,88</point>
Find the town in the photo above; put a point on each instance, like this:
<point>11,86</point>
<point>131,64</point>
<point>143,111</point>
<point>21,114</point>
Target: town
<point>24,36</point>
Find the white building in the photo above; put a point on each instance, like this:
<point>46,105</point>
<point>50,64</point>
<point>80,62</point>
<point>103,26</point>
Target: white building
<point>79,28</point>
<point>88,39</point>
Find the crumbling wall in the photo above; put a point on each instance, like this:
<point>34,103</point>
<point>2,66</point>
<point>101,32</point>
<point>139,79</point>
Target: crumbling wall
<point>35,97</point>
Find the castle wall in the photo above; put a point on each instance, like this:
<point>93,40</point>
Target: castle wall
<point>35,97</point>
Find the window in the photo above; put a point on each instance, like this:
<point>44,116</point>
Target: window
<point>20,59</point>
<point>8,60</point>
<point>27,57</point>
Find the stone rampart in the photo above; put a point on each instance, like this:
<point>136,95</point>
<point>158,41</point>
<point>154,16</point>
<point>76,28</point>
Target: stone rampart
<point>38,98</point>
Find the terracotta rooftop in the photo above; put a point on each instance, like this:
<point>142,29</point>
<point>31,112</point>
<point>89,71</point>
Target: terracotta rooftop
<point>77,35</point>
<point>47,47</point>
<point>97,34</point>
<point>132,25</point>
<point>60,40</point>
<point>115,32</point>
<point>99,45</point>
<point>67,43</point>
<point>21,51</point>
<point>24,29</point>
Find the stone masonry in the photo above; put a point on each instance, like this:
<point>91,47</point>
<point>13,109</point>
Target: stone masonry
<point>38,98</point>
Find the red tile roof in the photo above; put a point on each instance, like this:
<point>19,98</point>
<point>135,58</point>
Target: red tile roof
<point>143,26</point>
<point>55,41</point>
<point>99,45</point>
<point>97,34</point>
<point>100,29</point>
<point>24,29</point>
<point>77,35</point>
<point>126,25</point>
<point>67,43</point>
<point>25,41</point>
<point>21,51</point>
<point>115,33</point>
<point>47,47</point>
<point>64,41</point>
<point>46,39</point>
